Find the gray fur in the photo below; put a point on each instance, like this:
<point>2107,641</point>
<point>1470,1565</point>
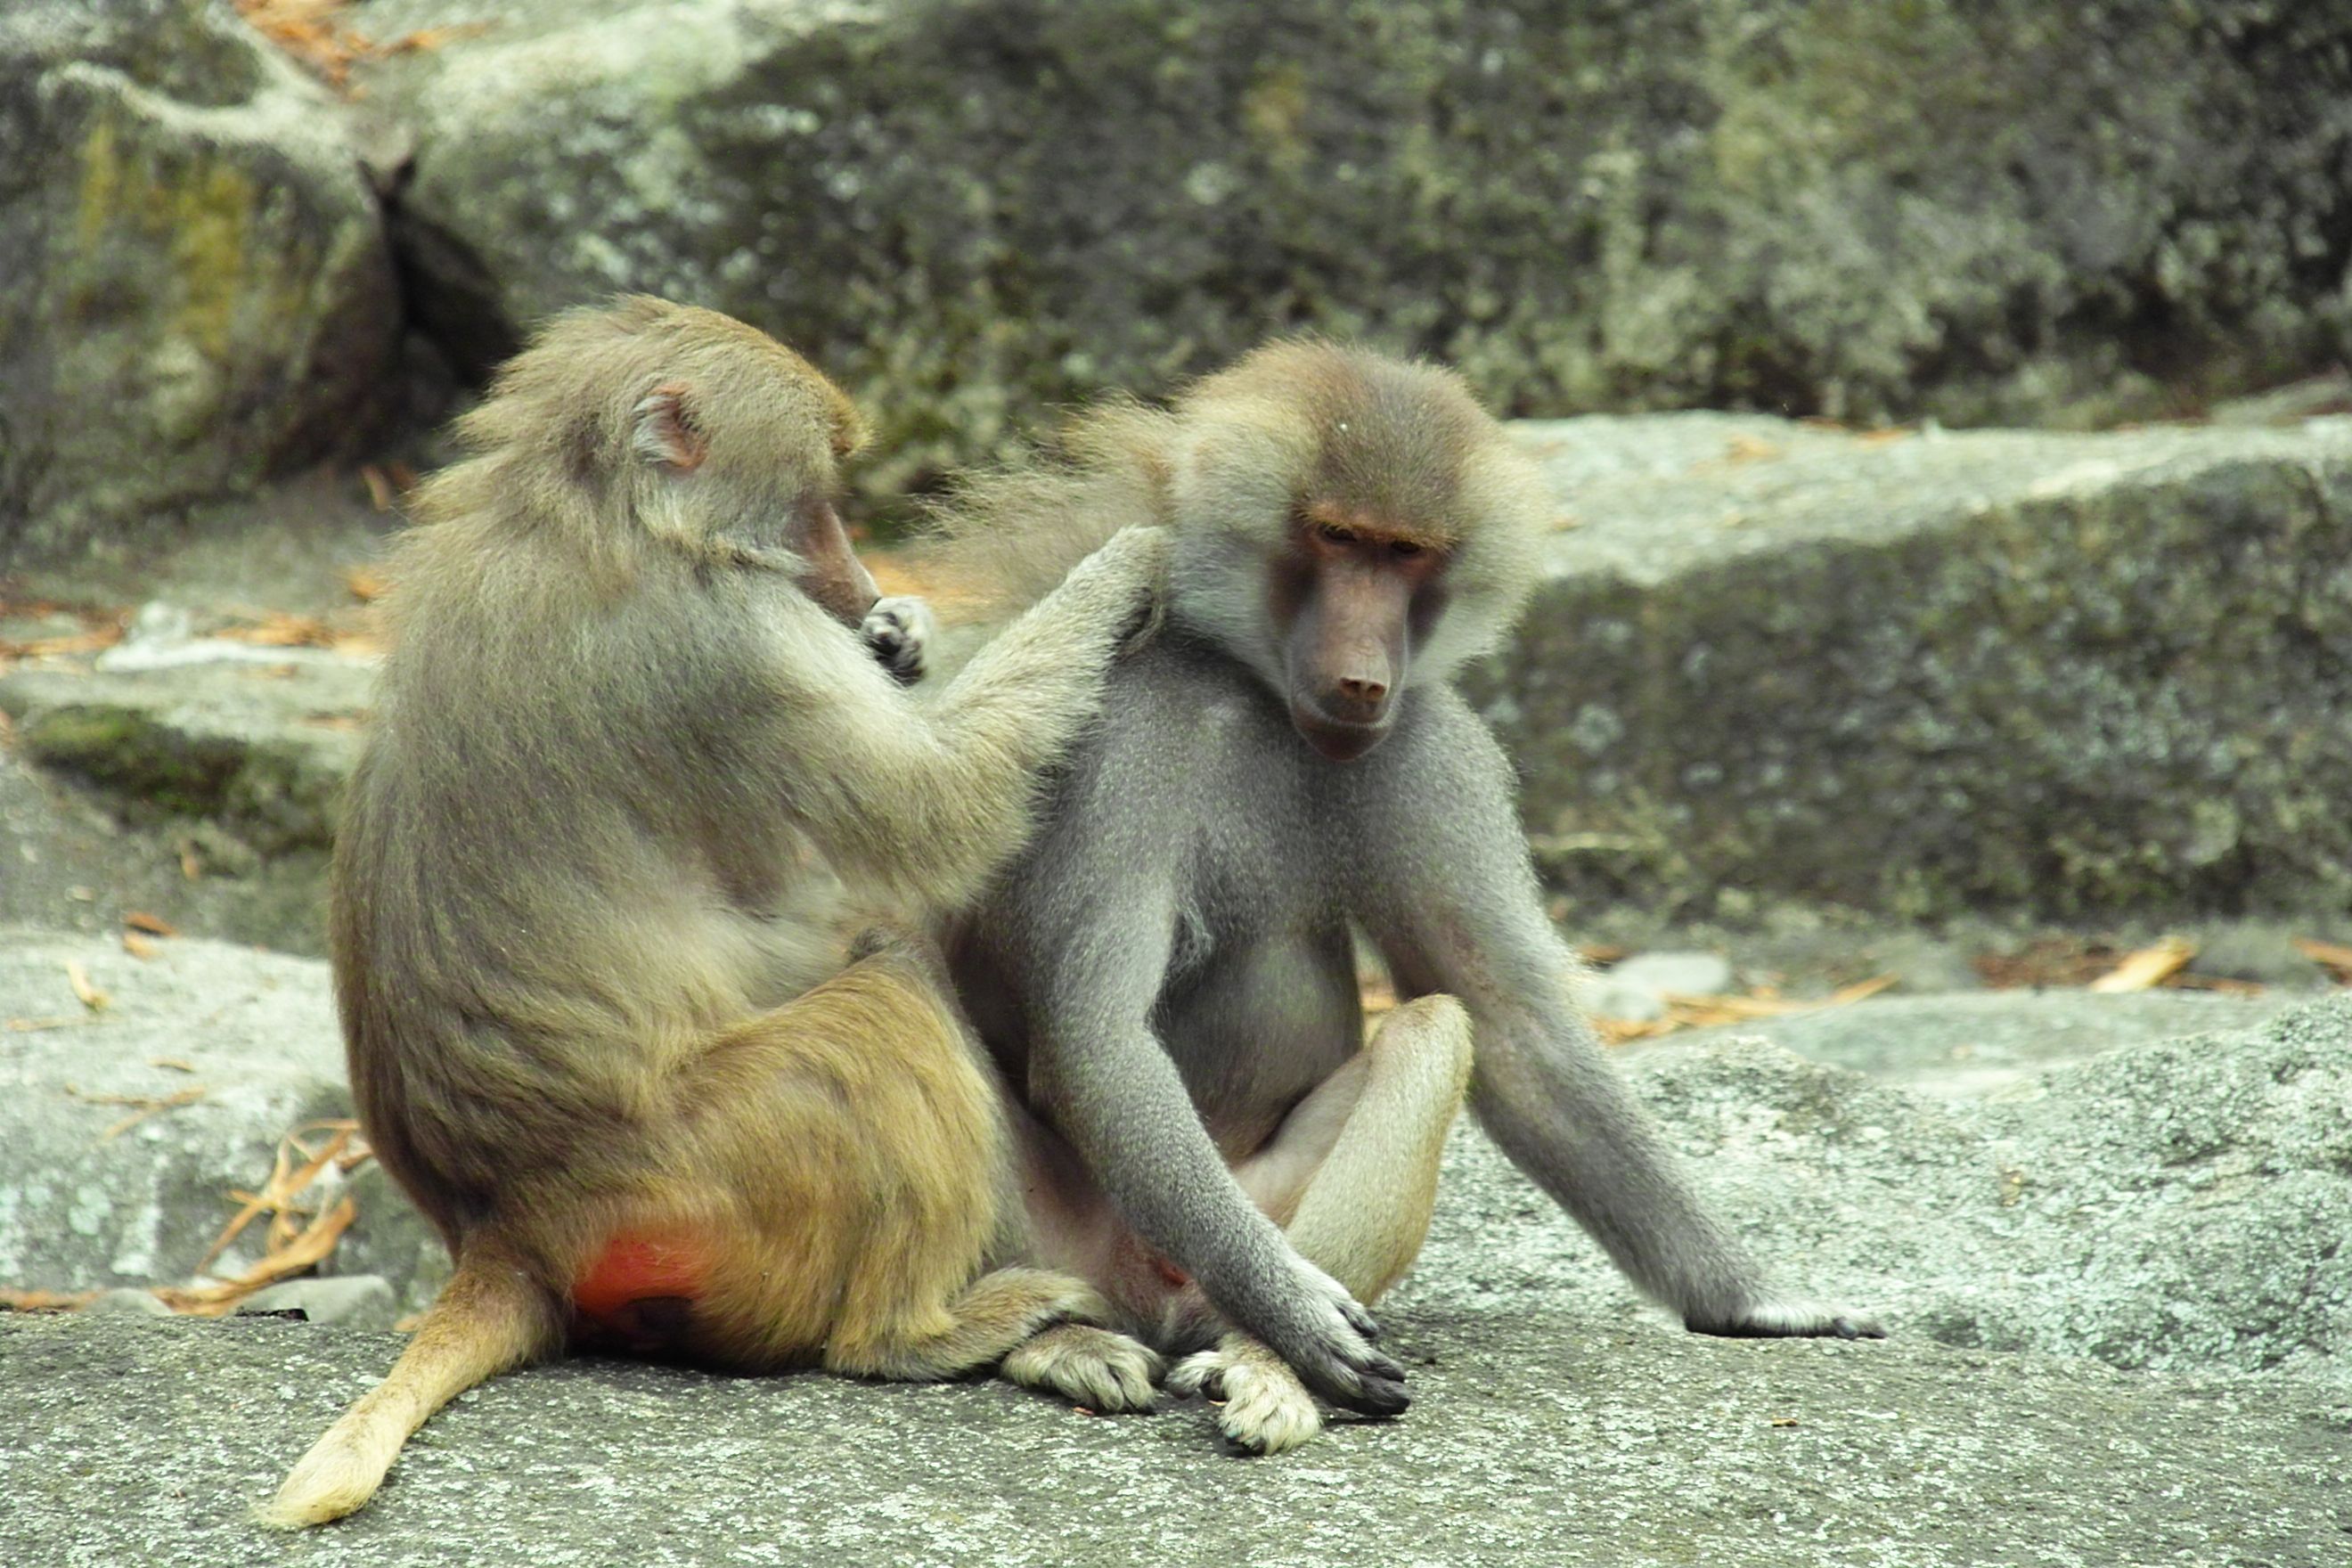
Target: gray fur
<point>1168,969</point>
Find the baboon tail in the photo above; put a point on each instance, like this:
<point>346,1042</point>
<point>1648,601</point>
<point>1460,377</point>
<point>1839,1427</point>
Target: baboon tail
<point>491,1318</point>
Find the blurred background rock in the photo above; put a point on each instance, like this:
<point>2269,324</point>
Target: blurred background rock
<point>222,264</point>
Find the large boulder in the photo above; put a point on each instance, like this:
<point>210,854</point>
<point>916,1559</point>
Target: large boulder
<point>2170,1202</point>
<point>126,1128</point>
<point>199,292</point>
<point>2086,676</point>
<point>2080,675</point>
<point>972,210</point>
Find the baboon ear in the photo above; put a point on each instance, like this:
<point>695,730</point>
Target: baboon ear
<point>667,431</point>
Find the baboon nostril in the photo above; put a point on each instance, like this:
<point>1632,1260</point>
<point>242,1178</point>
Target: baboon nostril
<point>1363,690</point>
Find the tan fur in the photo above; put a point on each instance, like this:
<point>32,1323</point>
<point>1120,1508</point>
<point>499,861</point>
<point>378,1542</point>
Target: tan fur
<point>628,785</point>
<point>1399,447</point>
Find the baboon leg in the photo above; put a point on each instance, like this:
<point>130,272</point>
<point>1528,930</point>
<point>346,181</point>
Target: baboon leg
<point>855,1147</point>
<point>997,1314</point>
<point>1364,1213</point>
<point>1353,1176</point>
<point>491,1317</point>
<point>867,1151</point>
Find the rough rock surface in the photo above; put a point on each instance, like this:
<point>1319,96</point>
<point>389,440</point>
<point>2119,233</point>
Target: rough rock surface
<point>2176,1207</point>
<point>1981,1044</point>
<point>2075,674</point>
<point>1534,1439</point>
<point>200,289</point>
<point>973,210</point>
<point>261,746</point>
<point>84,1206</point>
<point>2178,1202</point>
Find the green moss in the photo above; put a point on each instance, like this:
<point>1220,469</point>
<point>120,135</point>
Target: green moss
<point>127,752</point>
<point>278,797</point>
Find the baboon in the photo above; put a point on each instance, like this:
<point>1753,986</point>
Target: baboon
<point>634,772</point>
<point>1167,971</point>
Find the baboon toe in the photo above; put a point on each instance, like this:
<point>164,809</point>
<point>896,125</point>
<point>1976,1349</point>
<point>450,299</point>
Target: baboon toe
<point>1106,1372</point>
<point>1262,1408</point>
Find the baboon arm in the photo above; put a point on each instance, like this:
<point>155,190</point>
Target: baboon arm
<point>935,799</point>
<point>1464,917</point>
<point>1099,1072</point>
<point>1106,1082</point>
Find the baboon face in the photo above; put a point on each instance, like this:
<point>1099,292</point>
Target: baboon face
<point>833,576</point>
<point>1352,593</point>
<point>1344,518</point>
<point>688,425</point>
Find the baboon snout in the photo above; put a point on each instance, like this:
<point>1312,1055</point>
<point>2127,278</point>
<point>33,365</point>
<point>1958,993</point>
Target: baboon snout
<point>1355,690</point>
<point>845,593</point>
<point>836,578</point>
<point>1359,698</point>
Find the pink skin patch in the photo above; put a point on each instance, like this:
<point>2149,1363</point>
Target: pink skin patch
<point>637,1271</point>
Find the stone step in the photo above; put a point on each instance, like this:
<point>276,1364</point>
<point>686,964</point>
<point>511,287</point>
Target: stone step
<point>1917,673</point>
<point>2072,675</point>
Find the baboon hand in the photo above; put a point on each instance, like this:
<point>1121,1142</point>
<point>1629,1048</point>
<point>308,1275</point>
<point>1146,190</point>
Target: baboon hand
<point>1329,1339</point>
<point>898,632</point>
<point>1789,1317</point>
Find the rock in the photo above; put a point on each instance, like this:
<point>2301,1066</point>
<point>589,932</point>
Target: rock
<point>1534,1440</point>
<point>1890,684</point>
<point>1637,988</point>
<point>201,293</point>
<point>263,749</point>
<point>2142,1198</point>
<point>350,1301</point>
<point>2179,1204</point>
<point>2263,952</point>
<point>1979,1045</point>
<point>1922,965</point>
<point>973,212</point>
<point>106,1177</point>
<point>2065,674</point>
<point>125,1301</point>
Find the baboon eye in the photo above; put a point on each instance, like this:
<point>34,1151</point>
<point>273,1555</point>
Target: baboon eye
<point>1404,548</point>
<point>1336,534</point>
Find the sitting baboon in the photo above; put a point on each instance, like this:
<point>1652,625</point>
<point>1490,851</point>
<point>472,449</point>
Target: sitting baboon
<point>1168,971</point>
<point>633,776</point>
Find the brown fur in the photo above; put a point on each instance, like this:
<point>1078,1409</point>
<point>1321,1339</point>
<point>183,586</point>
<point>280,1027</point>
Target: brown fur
<point>629,784</point>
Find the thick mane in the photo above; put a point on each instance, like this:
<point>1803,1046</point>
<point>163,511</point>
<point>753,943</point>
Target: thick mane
<point>1004,538</point>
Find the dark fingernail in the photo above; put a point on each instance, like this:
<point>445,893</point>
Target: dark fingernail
<point>1385,1398</point>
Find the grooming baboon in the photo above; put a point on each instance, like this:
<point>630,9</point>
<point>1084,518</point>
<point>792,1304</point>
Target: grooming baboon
<point>633,772</point>
<point>1168,969</point>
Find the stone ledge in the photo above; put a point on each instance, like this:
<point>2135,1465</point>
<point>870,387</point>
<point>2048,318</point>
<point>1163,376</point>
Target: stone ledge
<point>2077,675</point>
